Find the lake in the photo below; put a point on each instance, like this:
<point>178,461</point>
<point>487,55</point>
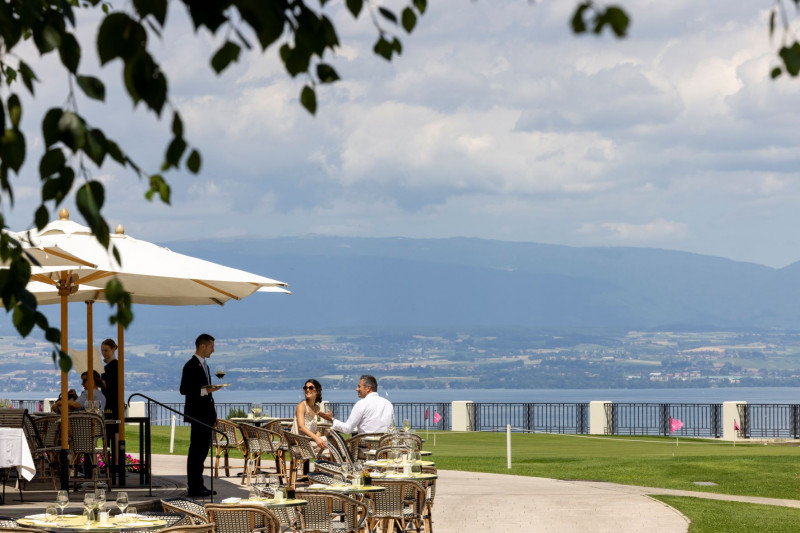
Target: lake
<point>780,395</point>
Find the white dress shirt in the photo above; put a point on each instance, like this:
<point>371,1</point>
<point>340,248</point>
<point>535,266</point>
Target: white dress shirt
<point>370,414</point>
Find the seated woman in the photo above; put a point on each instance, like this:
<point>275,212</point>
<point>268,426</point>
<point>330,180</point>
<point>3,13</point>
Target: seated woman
<point>305,416</point>
<point>72,402</point>
<point>98,394</point>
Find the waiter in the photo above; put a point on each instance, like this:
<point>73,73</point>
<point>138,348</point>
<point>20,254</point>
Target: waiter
<point>196,386</point>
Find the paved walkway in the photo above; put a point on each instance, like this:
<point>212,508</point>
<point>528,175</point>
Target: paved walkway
<point>470,501</point>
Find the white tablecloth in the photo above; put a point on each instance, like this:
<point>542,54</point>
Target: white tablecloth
<point>14,451</point>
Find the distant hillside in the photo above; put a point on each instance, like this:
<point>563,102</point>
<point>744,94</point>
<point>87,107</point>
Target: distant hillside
<point>396,282</point>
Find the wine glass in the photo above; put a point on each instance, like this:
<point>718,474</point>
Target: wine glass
<point>89,502</point>
<point>122,502</point>
<point>219,371</point>
<point>62,500</point>
<point>261,483</point>
<point>100,496</point>
<point>406,426</point>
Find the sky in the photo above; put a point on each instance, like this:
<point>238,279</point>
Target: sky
<point>496,122</point>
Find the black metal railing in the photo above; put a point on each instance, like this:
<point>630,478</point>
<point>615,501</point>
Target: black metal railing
<point>769,420</point>
<point>532,417</point>
<point>699,420</point>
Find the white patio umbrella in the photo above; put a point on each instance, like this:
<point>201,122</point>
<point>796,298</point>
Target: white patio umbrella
<point>153,275</point>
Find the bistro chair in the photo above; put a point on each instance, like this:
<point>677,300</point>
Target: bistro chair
<point>301,451</point>
<point>289,517</point>
<point>404,440</point>
<point>257,442</point>
<point>195,512</point>
<point>11,417</point>
<point>20,529</point>
<point>224,445</point>
<point>172,519</point>
<point>45,454</point>
<point>88,441</point>
<point>327,512</point>
<point>189,528</point>
<point>359,445</point>
<point>339,451</point>
<point>401,505</point>
<point>242,518</point>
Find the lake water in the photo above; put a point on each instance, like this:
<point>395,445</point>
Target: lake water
<point>783,395</point>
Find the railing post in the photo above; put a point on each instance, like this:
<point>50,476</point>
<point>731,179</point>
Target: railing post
<point>600,418</point>
<point>463,416</point>
<point>731,417</point>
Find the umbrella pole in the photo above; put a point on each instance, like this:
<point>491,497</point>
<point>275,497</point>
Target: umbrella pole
<point>64,394</point>
<point>89,350</point>
<point>121,401</point>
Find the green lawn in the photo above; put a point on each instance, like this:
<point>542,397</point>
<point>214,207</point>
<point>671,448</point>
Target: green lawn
<point>746,469</point>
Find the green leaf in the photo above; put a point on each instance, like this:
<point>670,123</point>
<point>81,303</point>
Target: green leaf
<point>28,76</point>
<point>772,23</point>
<point>326,73</point>
<point>120,36</point>
<point>14,110</point>
<point>193,162</point>
<point>388,15</point>
<point>145,81</point>
<point>64,361</point>
<point>90,198</point>
<point>42,217</point>
<point>50,129</point>
<point>309,99</point>
<point>409,19</point>
<point>578,24</point>
<point>92,87</point>
<point>354,6</point>
<point>24,320</point>
<point>225,55</point>
<point>776,72</point>
<point>158,185</point>
<point>46,37</point>
<point>13,149</point>
<point>157,8</point>
<point>10,74</point>
<point>174,153</point>
<point>58,188</point>
<point>52,161</point>
<point>618,20</point>
<point>96,146</point>
<point>70,52</point>
<point>791,58</point>
<point>421,5</point>
<point>72,130</point>
<point>383,48</point>
<point>177,125</point>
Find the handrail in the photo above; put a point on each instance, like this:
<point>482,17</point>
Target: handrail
<point>191,419</point>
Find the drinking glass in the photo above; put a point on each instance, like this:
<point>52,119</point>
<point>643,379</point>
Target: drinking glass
<point>132,514</point>
<point>261,483</point>
<point>100,496</point>
<point>89,502</point>
<point>62,500</point>
<point>122,502</point>
<point>51,513</point>
<point>274,483</point>
<point>406,426</point>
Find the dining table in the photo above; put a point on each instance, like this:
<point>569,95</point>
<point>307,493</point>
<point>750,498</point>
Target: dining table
<point>15,453</point>
<point>388,463</point>
<point>73,522</point>
<point>269,503</point>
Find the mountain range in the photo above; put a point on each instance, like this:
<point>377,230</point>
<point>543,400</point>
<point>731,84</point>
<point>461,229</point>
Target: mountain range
<point>345,282</point>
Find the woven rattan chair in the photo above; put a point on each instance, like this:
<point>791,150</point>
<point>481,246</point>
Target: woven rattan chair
<point>327,512</point>
<point>301,451</point>
<point>20,529</point>
<point>340,453</point>
<point>88,440</point>
<point>172,519</point>
<point>189,528</point>
<point>402,440</point>
<point>44,453</point>
<point>322,478</point>
<point>289,517</point>
<point>242,518</point>
<point>359,444</point>
<point>224,445</point>
<point>6,522</point>
<point>195,512</point>
<point>12,418</point>
<point>258,442</point>
<point>402,504</point>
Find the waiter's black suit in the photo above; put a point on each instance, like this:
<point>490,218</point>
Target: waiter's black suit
<point>199,408</point>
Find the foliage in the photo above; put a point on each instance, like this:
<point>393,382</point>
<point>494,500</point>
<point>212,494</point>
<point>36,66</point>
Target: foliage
<point>709,516</point>
<point>237,412</point>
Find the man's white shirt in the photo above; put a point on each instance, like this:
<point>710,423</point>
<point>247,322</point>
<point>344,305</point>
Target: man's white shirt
<point>370,414</point>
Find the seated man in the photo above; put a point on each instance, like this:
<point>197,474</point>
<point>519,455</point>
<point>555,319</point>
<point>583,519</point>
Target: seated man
<point>370,414</point>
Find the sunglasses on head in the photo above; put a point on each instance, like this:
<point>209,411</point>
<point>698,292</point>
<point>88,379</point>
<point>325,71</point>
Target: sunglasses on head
<point>309,387</point>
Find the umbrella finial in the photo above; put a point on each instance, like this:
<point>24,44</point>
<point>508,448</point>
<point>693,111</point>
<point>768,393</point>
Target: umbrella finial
<point>119,230</point>
<point>63,214</point>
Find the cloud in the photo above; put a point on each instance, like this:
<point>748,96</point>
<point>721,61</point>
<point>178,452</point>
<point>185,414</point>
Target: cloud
<point>623,232</point>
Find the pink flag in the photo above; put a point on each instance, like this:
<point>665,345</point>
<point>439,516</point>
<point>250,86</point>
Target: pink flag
<point>674,425</point>
<point>735,425</point>
<point>436,417</point>
<point>426,413</point>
